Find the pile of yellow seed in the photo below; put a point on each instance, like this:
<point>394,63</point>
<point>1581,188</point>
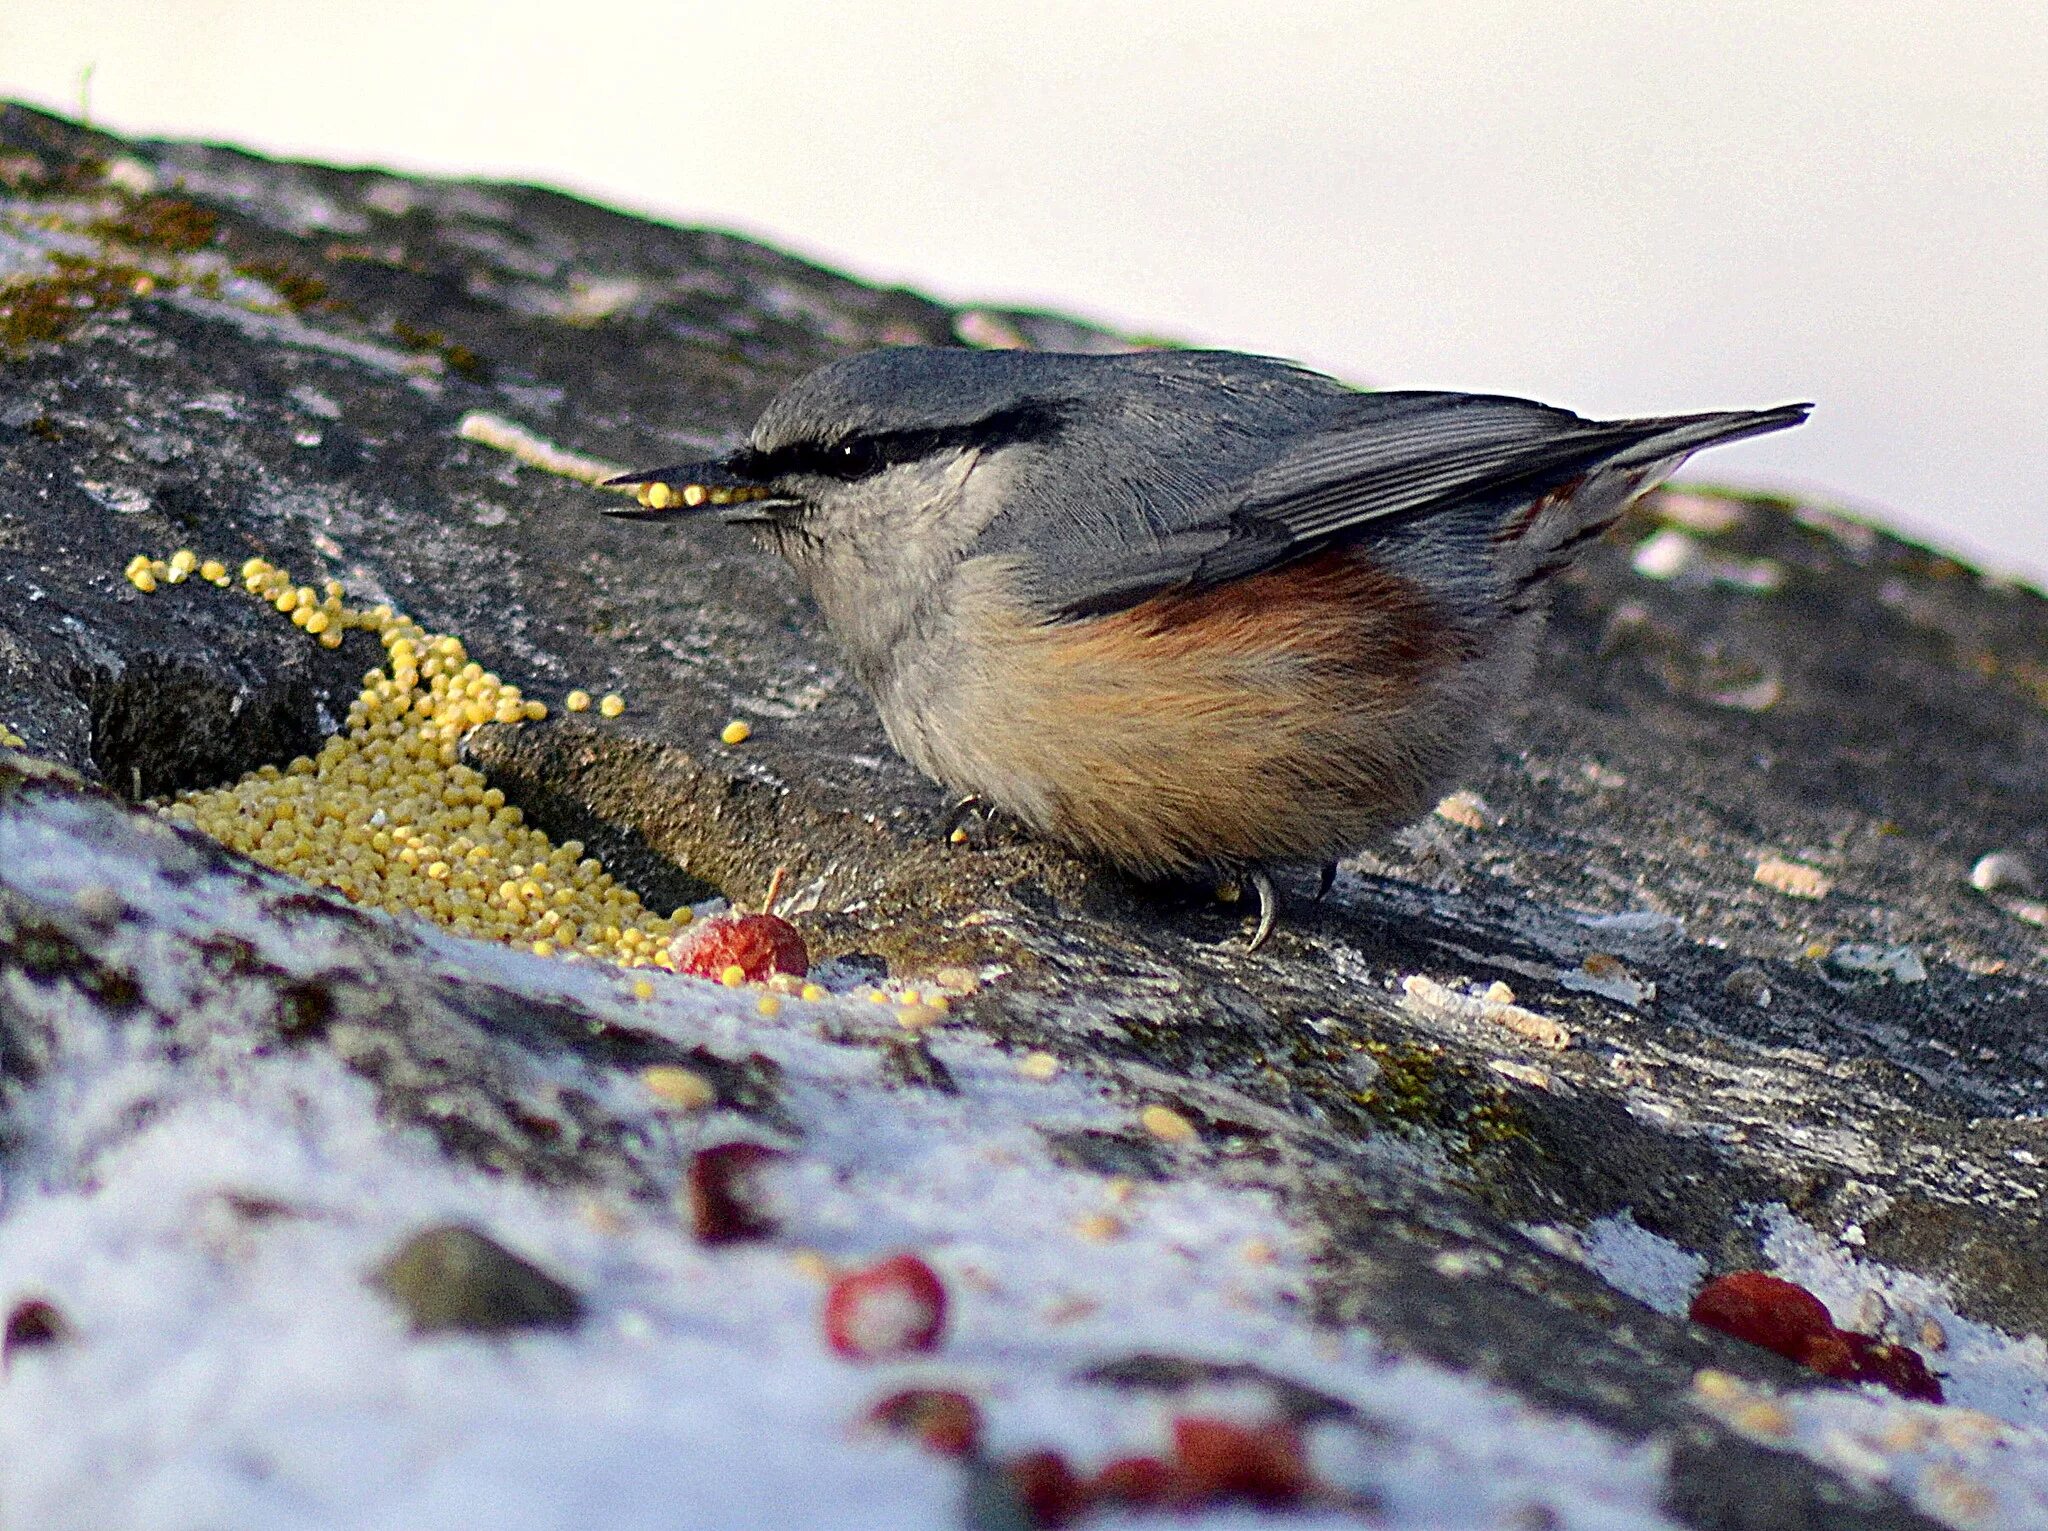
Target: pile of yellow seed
<point>387,815</point>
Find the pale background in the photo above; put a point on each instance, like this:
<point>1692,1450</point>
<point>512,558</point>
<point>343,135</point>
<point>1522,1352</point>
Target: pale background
<point>1621,207</point>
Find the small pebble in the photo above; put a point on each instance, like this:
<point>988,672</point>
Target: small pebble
<point>1932,1335</point>
<point>738,731</point>
<point>2004,872</point>
<point>1749,984</point>
<point>456,1278</point>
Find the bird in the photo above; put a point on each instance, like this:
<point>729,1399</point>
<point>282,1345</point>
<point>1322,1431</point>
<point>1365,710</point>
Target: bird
<point>1187,612</point>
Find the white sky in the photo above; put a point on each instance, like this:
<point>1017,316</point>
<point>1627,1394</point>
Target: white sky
<point>1616,205</point>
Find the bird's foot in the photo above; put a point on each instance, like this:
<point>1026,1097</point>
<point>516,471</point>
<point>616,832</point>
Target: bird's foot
<point>1326,879</point>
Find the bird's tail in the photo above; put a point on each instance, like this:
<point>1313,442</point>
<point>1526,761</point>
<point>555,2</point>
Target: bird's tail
<point>1545,534</point>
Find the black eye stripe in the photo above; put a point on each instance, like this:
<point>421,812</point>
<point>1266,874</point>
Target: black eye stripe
<point>867,453</point>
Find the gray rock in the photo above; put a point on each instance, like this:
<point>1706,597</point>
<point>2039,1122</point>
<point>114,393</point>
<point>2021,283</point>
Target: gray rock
<point>457,1278</point>
<point>296,393</point>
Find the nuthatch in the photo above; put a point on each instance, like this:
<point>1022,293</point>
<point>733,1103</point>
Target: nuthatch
<point>1181,610</point>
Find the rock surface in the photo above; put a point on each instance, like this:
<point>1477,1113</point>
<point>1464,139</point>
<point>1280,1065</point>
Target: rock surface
<point>1722,851</point>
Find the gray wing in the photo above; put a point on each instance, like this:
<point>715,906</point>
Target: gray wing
<point>1376,459</point>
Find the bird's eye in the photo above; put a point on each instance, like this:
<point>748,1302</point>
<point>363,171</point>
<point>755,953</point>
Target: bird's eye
<point>856,457</point>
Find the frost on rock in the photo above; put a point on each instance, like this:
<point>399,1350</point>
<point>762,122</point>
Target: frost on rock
<point>213,1200</point>
<point>1168,1187</point>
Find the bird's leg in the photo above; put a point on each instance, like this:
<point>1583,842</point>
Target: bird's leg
<point>1269,904</point>
<point>1326,879</point>
<point>953,823</point>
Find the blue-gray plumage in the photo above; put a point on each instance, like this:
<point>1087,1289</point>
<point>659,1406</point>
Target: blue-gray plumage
<point>1180,608</point>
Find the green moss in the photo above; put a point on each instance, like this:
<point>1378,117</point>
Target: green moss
<point>47,309</point>
<point>1420,1087</point>
<point>461,360</point>
<point>161,223</point>
<point>299,288</point>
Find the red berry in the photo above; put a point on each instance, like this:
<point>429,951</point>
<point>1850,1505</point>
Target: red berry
<point>728,1203</point>
<point>1046,1489</point>
<point>894,1308</point>
<point>1829,1354</point>
<point>1893,1366</point>
<point>756,944</point>
<point>1779,1315</point>
<point>1219,1460</point>
<point>939,1419</point>
<point>1135,1482</point>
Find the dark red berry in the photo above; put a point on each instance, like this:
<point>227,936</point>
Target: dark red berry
<point>894,1308</point>
<point>35,1322</point>
<point>939,1419</point>
<point>1894,1366</point>
<point>1219,1460</point>
<point>728,1202</point>
<point>757,944</point>
<point>1779,1315</point>
<point>1136,1483</point>
<point>1046,1489</point>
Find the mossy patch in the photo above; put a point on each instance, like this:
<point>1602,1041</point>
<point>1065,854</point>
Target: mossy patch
<point>170,224</point>
<point>299,288</point>
<point>461,360</point>
<point>47,309</point>
<point>1422,1087</point>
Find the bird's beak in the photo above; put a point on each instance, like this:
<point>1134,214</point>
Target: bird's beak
<point>686,488</point>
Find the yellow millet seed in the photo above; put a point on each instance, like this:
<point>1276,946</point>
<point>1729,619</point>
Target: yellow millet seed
<point>386,813</point>
<point>733,976</point>
<point>612,705</point>
<point>577,701</point>
<point>738,731</point>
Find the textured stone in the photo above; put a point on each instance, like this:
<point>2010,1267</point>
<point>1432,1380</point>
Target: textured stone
<point>292,385</point>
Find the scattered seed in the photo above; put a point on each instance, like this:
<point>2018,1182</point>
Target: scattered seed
<point>1167,1124</point>
<point>678,1086</point>
<point>612,705</point>
<point>1039,1065</point>
<point>738,731</point>
<point>1468,810</point>
<point>1792,878</point>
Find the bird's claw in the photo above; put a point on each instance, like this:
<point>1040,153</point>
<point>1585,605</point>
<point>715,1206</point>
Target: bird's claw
<point>953,825</point>
<point>1269,904</point>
